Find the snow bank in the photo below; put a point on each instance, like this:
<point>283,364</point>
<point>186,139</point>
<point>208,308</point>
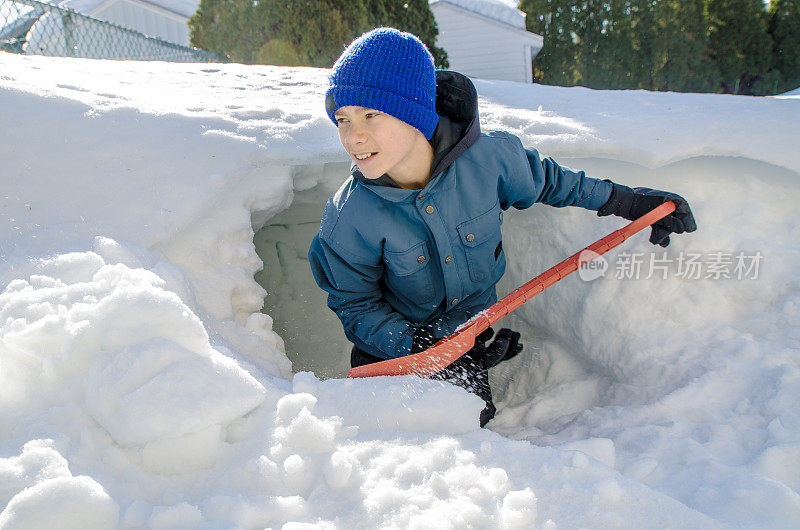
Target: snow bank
<point>140,382</point>
<point>84,337</point>
<point>683,377</point>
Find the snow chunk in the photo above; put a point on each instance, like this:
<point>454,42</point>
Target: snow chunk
<point>518,509</point>
<point>158,389</point>
<point>63,502</point>
<point>114,252</point>
<point>304,431</point>
<point>37,463</point>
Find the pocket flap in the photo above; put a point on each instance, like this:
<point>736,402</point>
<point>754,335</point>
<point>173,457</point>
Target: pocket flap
<point>482,228</point>
<point>408,261</point>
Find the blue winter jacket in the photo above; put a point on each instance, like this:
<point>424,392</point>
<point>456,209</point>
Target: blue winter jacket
<point>392,259</point>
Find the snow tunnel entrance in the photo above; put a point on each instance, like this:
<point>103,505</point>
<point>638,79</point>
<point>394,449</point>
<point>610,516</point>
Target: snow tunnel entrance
<point>312,334</point>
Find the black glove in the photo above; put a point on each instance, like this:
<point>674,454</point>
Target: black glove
<point>504,346</point>
<point>423,338</point>
<point>634,203</point>
<point>471,370</point>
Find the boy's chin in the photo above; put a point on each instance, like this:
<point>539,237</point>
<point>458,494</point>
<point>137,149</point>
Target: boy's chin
<point>371,175</point>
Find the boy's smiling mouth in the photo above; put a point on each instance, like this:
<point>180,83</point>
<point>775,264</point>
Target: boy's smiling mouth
<point>364,156</point>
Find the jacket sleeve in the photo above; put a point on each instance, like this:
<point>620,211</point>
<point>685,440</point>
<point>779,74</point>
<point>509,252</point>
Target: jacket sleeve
<point>529,178</point>
<point>354,294</point>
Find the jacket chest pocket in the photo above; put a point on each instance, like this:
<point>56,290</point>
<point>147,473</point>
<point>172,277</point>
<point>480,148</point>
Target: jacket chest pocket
<point>483,243</point>
<point>408,273</point>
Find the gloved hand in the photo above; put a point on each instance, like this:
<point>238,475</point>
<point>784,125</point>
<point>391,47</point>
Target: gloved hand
<point>471,370</point>
<point>504,346</point>
<point>633,203</point>
<point>424,338</point>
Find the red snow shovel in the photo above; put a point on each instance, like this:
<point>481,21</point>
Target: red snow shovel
<point>450,348</point>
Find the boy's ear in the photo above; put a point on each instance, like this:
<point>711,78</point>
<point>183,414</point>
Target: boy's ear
<point>330,104</point>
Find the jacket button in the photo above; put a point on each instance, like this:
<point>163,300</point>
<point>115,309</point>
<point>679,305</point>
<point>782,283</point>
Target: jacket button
<point>421,259</point>
<point>454,301</point>
<point>429,209</point>
<point>448,259</point>
<point>470,237</point>
<point>421,196</point>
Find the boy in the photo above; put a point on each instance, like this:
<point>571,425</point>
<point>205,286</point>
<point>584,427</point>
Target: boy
<point>410,246</point>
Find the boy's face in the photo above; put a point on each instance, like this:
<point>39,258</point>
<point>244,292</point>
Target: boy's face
<point>379,143</point>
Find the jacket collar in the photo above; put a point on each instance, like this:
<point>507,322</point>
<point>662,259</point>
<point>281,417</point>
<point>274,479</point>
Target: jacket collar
<point>458,129</point>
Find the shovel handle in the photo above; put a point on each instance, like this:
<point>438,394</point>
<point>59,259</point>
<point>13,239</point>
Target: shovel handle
<point>450,348</point>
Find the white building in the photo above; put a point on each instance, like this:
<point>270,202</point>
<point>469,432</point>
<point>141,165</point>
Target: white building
<point>486,38</point>
<point>165,19</point>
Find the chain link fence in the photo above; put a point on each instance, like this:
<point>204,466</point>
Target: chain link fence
<point>38,28</point>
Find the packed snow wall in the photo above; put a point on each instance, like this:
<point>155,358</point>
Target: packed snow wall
<point>134,347</point>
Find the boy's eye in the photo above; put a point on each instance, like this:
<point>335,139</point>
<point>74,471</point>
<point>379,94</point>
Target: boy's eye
<point>372,114</point>
<point>340,120</point>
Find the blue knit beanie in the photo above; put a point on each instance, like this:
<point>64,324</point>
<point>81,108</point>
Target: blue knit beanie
<point>390,71</point>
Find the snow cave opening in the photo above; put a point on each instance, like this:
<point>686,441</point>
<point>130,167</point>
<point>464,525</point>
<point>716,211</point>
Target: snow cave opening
<point>556,376</point>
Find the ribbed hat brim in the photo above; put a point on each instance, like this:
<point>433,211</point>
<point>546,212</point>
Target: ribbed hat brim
<point>410,111</point>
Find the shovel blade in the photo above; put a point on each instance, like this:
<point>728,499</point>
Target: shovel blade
<point>425,363</point>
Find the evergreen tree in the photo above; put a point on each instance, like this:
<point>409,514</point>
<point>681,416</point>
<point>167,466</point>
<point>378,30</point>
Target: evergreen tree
<point>591,17</point>
<point>784,27</point>
<point>652,44</point>
<point>308,32</point>
<point>644,36</point>
<point>303,32</point>
<point>413,16</point>
<point>227,27</point>
<point>607,57</point>
<point>738,42</point>
<point>554,20</point>
<point>680,59</point>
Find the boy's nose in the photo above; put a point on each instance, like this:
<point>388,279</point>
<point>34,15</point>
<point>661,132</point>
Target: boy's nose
<point>356,135</point>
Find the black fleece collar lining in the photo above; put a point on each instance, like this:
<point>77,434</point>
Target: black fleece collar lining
<point>458,128</point>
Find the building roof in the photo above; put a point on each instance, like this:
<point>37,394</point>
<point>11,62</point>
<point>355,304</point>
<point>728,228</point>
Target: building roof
<point>185,8</point>
<point>500,10</point>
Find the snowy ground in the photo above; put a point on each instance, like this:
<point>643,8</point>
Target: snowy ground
<point>141,386</point>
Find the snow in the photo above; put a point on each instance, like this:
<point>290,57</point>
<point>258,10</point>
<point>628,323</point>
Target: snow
<point>141,386</point>
<point>795,92</point>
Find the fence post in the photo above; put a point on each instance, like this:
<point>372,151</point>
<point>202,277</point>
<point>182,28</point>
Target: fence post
<point>69,37</point>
